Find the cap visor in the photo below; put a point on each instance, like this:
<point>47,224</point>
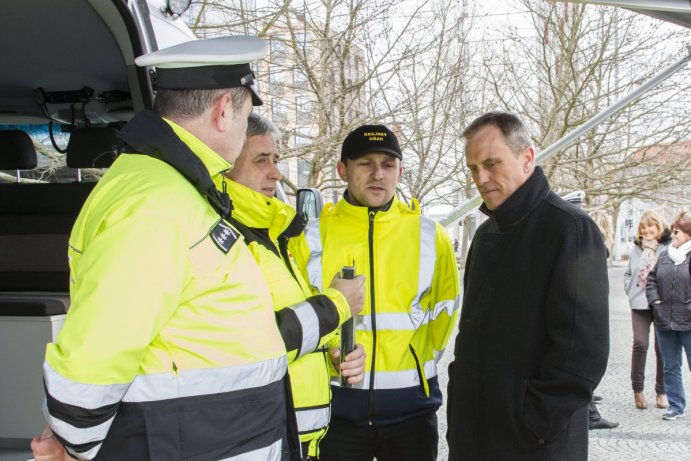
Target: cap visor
<point>256,100</point>
<point>383,150</point>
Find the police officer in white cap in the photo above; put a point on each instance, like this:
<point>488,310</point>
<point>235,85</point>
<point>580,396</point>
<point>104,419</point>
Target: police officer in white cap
<point>170,348</point>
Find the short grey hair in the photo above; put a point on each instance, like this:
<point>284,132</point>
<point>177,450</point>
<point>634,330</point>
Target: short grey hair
<point>190,104</point>
<point>513,129</point>
<point>258,125</point>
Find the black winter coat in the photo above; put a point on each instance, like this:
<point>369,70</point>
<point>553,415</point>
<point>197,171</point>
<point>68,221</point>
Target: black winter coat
<point>533,339</point>
<point>672,285</point>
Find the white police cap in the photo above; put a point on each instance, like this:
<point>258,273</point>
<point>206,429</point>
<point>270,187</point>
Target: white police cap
<point>214,63</point>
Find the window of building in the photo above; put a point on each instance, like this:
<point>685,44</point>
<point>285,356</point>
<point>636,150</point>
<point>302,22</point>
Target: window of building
<point>299,79</point>
<point>278,50</point>
<point>303,172</point>
<point>303,110</point>
<point>278,110</point>
<point>277,82</point>
<point>302,136</point>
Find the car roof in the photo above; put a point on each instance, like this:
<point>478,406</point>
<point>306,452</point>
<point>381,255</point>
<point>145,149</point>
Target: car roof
<point>66,46</point>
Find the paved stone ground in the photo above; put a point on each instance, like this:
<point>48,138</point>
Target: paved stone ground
<point>642,435</point>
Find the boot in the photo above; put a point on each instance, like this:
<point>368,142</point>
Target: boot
<point>639,398</point>
<point>661,401</point>
<point>596,421</point>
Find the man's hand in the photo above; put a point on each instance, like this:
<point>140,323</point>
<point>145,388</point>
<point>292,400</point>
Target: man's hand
<point>45,447</point>
<point>354,366</point>
<point>353,290</point>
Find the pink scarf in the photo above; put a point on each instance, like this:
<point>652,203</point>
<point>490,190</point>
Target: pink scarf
<point>648,260</point>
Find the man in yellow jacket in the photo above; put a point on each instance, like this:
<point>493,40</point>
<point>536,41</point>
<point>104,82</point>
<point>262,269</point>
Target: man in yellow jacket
<point>267,224</point>
<point>411,303</point>
<point>170,348</point>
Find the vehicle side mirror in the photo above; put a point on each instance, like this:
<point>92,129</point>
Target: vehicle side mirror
<point>577,197</point>
<point>174,8</point>
<point>309,203</point>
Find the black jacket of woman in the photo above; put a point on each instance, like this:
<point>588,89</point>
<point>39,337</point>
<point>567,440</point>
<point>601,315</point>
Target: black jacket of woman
<point>670,284</point>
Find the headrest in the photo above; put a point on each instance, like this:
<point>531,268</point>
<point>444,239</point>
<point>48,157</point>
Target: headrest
<point>17,151</point>
<point>94,147</point>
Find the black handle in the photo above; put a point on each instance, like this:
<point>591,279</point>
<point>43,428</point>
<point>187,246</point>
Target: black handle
<point>347,330</point>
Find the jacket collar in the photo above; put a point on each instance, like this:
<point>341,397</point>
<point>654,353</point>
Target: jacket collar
<point>396,207</point>
<point>211,160</point>
<point>256,210</point>
<point>520,203</point>
<point>149,134</point>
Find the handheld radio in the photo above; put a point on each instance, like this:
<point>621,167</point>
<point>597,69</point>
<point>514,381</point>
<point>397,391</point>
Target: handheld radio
<point>347,329</point>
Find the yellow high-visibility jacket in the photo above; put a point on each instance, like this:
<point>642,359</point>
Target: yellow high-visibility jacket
<point>309,322</point>
<point>170,348</point>
<point>411,304</point>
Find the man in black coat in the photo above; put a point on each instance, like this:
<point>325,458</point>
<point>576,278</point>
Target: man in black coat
<point>533,339</point>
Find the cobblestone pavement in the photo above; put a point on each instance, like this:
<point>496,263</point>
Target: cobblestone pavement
<point>642,435</point>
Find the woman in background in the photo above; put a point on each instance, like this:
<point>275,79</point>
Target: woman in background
<point>604,223</point>
<point>669,292</point>
<point>652,238</point>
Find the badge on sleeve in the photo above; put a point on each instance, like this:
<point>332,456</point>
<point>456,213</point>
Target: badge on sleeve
<point>224,236</point>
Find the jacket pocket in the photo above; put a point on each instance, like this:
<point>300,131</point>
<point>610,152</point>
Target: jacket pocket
<point>420,371</point>
<point>531,439</point>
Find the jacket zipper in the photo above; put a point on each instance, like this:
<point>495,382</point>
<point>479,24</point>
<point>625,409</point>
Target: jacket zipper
<point>373,312</point>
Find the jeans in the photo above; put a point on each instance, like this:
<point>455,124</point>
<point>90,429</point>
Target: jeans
<point>641,320</point>
<point>415,439</point>
<point>671,343</point>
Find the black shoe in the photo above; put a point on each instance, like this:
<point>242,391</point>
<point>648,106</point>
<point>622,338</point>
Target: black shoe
<point>596,421</point>
<point>597,398</point>
<point>601,423</point>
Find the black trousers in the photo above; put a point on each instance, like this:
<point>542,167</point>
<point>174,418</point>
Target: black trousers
<point>413,440</point>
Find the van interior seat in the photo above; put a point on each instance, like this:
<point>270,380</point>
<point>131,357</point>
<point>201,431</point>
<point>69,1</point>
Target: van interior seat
<point>93,147</point>
<point>17,151</point>
<point>35,223</point>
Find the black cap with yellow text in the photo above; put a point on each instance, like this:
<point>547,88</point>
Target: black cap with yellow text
<point>370,138</point>
<point>214,63</point>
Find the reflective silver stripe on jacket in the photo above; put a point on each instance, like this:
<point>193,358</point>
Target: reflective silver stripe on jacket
<point>314,263</point>
<point>310,327</point>
<point>88,396</point>
<point>205,381</point>
<point>387,321</point>
<point>450,306</point>
<point>428,256</point>
<point>393,379</point>
<point>270,453</point>
<point>312,419</point>
<point>76,435</point>
<point>404,321</point>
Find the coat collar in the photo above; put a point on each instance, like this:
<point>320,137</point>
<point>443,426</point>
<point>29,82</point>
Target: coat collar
<point>362,212</point>
<point>520,203</point>
<point>211,160</point>
<point>256,210</point>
